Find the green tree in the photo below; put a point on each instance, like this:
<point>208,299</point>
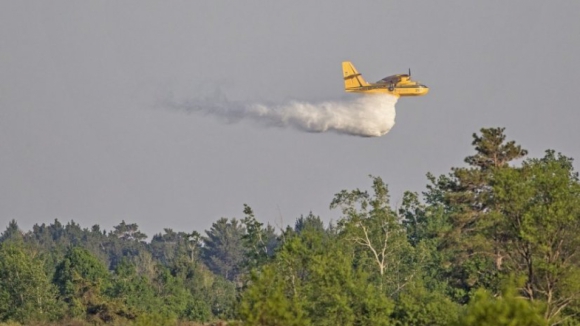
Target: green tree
<point>223,250</point>
<point>212,294</point>
<point>537,219</point>
<point>12,232</point>
<point>50,239</point>
<point>124,242</point>
<point>55,239</point>
<point>314,278</point>
<point>26,293</point>
<point>419,304</point>
<point>164,246</point>
<point>266,302</point>
<point>172,247</point>
<point>128,232</point>
<point>177,302</point>
<point>491,220</point>
<point>465,197</point>
<point>310,222</point>
<point>260,242</point>
<point>133,290</point>
<point>373,227</point>
<point>484,309</point>
<point>81,279</point>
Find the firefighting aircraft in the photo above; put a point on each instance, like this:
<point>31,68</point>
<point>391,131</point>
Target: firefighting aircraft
<point>398,85</point>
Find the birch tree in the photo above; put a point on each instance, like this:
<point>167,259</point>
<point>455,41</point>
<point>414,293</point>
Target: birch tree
<point>369,223</point>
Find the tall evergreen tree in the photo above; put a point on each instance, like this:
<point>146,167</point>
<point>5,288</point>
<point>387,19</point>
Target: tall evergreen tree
<point>466,197</point>
<point>12,232</point>
<point>223,249</point>
<point>259,241</point>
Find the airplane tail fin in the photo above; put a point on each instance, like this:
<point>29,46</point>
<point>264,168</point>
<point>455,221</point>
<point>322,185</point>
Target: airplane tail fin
<point>352,78</point>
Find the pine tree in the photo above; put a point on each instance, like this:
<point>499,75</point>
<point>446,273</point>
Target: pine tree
<point>466,196</point>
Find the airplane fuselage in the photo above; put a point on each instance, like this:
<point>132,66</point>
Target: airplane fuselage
<point>398,85</point>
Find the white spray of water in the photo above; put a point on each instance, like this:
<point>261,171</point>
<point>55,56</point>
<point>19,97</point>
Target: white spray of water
<point>366,116</point>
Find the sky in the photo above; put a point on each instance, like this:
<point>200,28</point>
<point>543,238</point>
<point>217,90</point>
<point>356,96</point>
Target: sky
<point>86,133</point>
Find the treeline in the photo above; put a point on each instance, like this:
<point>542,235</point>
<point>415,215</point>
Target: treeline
<point>491,243</point>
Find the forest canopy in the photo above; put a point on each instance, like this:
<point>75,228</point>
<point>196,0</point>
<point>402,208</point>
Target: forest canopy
<point>493,242</point>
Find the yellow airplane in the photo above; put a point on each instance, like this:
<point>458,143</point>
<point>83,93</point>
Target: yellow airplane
<point>398,85</point>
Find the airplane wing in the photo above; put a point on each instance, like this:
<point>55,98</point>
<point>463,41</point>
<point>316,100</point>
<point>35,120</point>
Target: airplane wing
<point>389,79</point>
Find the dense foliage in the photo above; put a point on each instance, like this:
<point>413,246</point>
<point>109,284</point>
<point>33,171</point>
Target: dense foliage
<point>491,243</point>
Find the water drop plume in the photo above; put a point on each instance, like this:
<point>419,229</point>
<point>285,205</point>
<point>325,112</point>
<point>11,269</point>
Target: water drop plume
<point>366,115</point>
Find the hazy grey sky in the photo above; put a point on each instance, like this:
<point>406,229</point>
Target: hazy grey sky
<point>85,135</point>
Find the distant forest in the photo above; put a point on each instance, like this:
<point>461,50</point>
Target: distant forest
<point>493,242</point>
